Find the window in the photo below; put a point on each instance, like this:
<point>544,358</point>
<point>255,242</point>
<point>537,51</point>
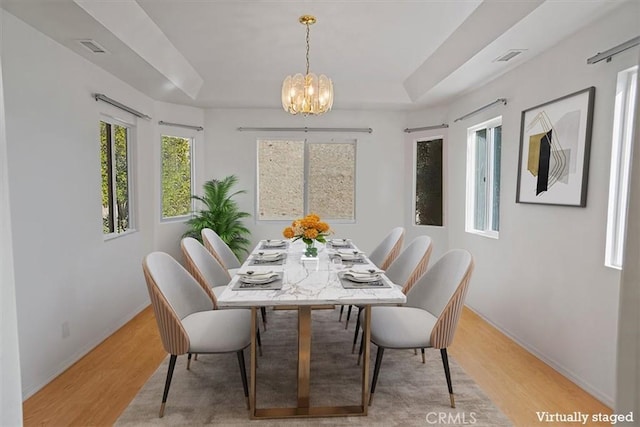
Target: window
<point>296,177</point>
<point>428,201</point>
<point>115,158</point>
<point>620,166</point>
<point>483,178</point>
<point>177,176</point>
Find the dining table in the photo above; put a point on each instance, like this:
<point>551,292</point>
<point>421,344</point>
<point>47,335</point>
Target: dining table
<point>277,274</point>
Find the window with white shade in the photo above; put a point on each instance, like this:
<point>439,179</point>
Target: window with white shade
<point>621,145</point>
<point>484,142</point>
<point>298,177</point>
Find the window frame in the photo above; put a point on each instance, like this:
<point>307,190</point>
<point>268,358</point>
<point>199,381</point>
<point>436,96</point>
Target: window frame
<point>470,212</point>
<point>131,132</point>
<point>620,173</point>
<point>415,179</point>
<point>186,134</point>
<point>306,142</point>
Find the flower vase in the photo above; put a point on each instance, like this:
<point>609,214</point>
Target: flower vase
<point>310,251</point>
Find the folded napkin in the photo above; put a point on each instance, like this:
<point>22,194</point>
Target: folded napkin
<point>274,243</point>
<point>347,254</point>
<point>340,242</point>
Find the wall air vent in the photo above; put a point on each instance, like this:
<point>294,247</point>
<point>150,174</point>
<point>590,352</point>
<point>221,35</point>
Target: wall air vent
<point>510,54</point>
<point>92,46</point>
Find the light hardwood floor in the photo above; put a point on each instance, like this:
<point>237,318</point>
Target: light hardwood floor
<point>96,389</point>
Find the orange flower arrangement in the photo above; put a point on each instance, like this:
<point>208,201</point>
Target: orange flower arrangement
<point>308,229</point>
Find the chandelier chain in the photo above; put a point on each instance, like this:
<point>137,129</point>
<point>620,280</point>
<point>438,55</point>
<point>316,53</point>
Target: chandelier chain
<point>307,48</point>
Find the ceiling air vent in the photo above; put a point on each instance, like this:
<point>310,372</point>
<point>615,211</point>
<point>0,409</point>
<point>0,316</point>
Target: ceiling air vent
<point>510,54</point>
<point>92,46</point>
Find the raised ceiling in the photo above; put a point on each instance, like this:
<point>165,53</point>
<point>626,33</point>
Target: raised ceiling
<point>380,54</point>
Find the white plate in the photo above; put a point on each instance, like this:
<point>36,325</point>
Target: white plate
<point>259,279</point>
<point>361,278</point>
<point>269,256</point>
<point>274,243</point>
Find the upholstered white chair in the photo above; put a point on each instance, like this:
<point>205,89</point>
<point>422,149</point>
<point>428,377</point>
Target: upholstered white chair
<point>225,256</point>
<point>389,249</point>
<point>430,316</point>
<point>406,269</point>
<point>206,269</point>
<point>382,256</point>
<point>208,272</point>
<point>186,319</point>
<point>220,250</point>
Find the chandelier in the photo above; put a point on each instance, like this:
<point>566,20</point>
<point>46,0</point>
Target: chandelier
<point>308,94</point>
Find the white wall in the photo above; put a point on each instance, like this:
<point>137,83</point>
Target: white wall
<point>10,385</point>
<point>64,270</point>
<point>544,281</point>
<point>379,163</point>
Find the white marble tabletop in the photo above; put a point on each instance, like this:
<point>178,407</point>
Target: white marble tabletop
<point>304,282</point>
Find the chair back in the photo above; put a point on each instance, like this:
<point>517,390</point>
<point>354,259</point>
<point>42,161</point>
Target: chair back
<point>174,295</point>
<point>389,249</point>
<point>441,292</point>
<point>411,264</point>
<point>219,249</point>
<point>203,267</point>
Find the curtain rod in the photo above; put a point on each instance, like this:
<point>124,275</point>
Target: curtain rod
<point>304,129</point>
<point>104,98</point>
<point>607,54</point>
<point>409,130</point>
<point>180,125</point>
<point>484,107</point>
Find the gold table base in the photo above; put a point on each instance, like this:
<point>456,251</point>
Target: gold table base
<point>304,409</point>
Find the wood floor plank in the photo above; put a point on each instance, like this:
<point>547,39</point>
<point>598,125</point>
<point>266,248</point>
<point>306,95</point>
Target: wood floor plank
<point>96,389</point>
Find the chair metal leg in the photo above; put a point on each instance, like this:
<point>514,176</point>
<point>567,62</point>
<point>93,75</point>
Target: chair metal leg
<point>423,358</point>
<point>346,324</point>
<point>167,383</point>
<point>415,351</point>
<point>447,373</point>
<point>259,341</point>
<point>355,333</point>
<point>189,362</point>
<point>341,311</point>
<point>263,312</point>
<point>243,374</point>
<point>361,346</point>
<point>195,356</point>
<point>376,371</point>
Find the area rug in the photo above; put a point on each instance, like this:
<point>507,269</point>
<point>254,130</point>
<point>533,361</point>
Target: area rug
<point>409,393</point>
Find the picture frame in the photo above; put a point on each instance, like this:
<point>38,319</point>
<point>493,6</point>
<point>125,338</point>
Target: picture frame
<point>555,143</point>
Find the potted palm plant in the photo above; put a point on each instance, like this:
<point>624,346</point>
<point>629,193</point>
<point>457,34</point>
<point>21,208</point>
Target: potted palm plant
<point>221,214</point>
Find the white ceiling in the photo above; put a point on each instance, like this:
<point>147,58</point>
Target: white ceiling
<point>379,54</point>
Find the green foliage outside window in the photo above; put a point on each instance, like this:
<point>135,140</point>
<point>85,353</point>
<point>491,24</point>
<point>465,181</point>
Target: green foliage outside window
<point>114,161</point>
<point>176,176</point>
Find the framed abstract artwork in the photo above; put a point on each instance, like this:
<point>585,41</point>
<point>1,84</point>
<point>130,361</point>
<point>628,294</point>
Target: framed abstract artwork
<point>555,140</point>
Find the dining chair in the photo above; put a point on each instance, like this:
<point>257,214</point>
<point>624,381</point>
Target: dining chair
<point>186,319</point>
<point>389,249</point>
<point>220,250</point>
<point>405,270</point>
<point>430,316</point>
<point>205,268</point>
<point>225,256</point>
<point>208,272</point>
<point>382,256</point>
